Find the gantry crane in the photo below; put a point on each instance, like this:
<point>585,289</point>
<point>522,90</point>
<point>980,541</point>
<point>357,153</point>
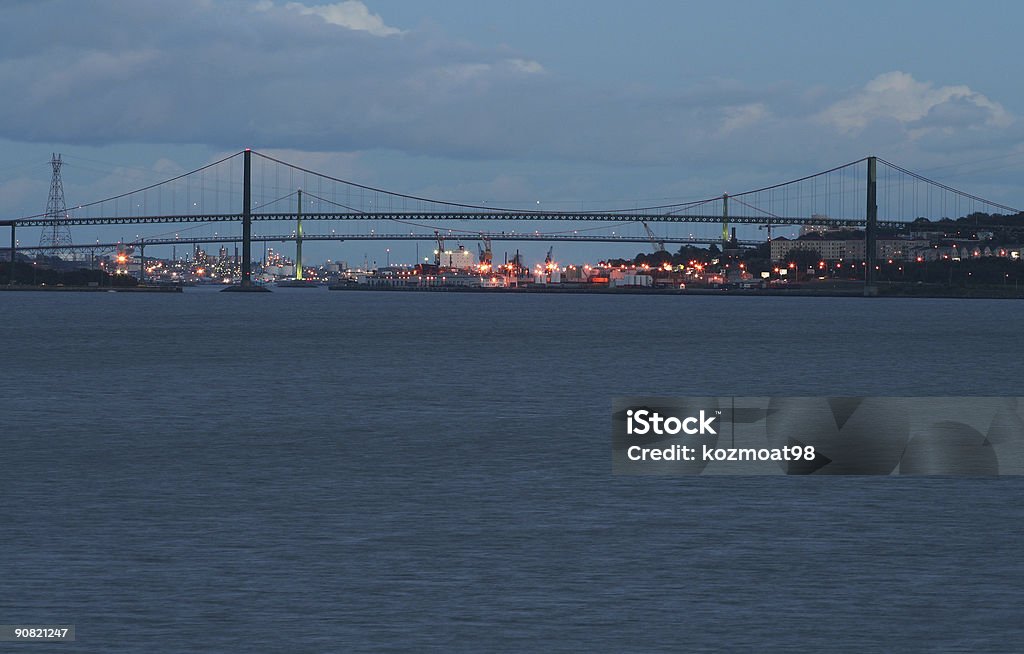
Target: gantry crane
<point>485,252</point>
<point>659,245</point>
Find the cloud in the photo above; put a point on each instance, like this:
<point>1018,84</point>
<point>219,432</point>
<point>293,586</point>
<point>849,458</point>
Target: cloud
<point>229,74</point>
<point>898,96</point>
<point>741,117</point>
<point>92,69</point>
<point>525,66</point>
<point>350,13</point>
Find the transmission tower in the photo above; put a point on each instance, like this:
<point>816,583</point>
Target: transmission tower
<point>57,235</point>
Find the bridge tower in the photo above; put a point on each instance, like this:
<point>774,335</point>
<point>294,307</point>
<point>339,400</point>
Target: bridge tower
<point>247,218</point>
<point>725,221</point>
<point>14,244</point>
<point>871,229</point>
<point>246,285</point>
<point>298,241</point>
<point>56,236</point>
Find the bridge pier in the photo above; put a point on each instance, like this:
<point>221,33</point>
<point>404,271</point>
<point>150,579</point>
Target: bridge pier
<point>871,231</point>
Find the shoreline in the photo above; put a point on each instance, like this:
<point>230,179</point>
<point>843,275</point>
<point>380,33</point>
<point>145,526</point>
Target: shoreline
<point>95,289</point>
<point>883,292</point>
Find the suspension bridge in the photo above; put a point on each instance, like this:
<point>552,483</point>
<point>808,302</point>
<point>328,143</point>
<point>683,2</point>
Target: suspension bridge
<point>293,237</point>
<point>252,189</point>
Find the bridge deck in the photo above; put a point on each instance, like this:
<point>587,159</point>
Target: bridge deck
<point>454,216</point>
<point>197,240</point>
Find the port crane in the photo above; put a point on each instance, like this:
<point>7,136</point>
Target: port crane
<point>659,245</point>
<point>485,251</point>
<point>440,247</point>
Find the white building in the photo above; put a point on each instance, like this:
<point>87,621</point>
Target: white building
<point>461,259</point>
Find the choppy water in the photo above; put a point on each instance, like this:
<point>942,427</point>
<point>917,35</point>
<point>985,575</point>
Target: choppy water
<point>313,471</point>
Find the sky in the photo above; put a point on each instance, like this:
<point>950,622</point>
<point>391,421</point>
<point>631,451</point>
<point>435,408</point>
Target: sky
<point>557,101</point>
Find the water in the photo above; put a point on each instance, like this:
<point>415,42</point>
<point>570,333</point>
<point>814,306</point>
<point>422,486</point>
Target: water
<point>315,471</point>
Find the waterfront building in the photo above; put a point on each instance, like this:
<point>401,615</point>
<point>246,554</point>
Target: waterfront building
<point>846,245</point>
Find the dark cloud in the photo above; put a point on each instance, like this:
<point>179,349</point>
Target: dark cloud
<point>956,113</point>
<point>229,74</point>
